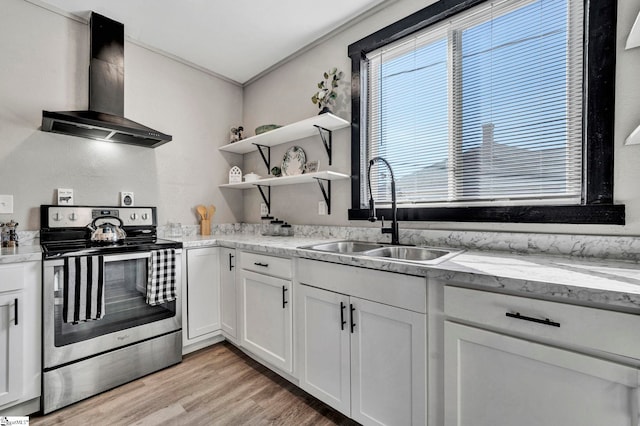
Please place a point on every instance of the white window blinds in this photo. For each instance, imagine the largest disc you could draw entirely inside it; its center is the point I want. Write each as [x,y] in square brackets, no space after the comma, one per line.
[482,109]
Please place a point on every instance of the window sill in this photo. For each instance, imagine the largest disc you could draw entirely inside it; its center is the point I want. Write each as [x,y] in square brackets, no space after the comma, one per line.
[593,214]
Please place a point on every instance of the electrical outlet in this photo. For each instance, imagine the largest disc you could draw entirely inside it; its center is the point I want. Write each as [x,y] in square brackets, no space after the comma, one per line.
[322,208]
[6,204]
[263,209]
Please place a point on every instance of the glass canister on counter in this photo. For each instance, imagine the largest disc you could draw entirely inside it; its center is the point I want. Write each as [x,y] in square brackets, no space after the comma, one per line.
[265,225]
[286,230]
[276,227]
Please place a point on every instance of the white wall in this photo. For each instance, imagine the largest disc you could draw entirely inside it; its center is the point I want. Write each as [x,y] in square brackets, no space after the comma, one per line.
[44,65]
[283,96]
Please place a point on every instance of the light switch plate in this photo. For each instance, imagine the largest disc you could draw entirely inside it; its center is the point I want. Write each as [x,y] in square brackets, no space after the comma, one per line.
[6,204]
[263,209]
[322,208]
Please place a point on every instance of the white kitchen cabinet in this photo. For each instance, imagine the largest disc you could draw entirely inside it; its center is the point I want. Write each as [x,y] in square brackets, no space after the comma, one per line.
[364,358]
[266,312]
[267,318]
[203,292]
[228,293]
[11,342]
[388,364]
[324,339]
[515,360]
[20,337]
[496,380]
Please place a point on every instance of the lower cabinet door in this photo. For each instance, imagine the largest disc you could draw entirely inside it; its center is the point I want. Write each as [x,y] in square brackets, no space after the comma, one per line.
[203,291]
[388,364]
[266,321]
[228,293]
[11,347]
[497,380]
[323,346]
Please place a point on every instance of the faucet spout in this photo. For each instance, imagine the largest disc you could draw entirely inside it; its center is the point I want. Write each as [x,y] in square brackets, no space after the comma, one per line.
[393,229]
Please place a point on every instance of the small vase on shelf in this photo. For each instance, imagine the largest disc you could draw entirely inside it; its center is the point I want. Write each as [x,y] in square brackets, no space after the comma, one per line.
[327,93]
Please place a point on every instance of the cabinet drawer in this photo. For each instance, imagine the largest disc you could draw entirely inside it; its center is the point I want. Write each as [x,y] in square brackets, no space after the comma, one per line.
[599,329]
[12,277]
[270,265]
[402,291]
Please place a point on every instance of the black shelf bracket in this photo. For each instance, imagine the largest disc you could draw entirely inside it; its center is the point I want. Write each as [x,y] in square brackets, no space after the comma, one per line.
[326,193]
[327,137]
[267,158]
[266,197]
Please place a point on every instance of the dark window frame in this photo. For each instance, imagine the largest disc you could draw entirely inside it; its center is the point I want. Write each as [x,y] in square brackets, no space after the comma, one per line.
[597,206]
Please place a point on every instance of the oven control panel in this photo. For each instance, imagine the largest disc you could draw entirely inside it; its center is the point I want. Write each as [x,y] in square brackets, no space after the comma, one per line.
[80,216]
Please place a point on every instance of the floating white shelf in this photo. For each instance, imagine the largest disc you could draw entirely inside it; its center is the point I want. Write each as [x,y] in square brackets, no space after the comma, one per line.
[291,132]
[322,125]
[287,180]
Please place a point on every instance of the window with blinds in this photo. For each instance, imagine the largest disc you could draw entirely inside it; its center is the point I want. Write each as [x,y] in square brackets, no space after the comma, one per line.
[483,109]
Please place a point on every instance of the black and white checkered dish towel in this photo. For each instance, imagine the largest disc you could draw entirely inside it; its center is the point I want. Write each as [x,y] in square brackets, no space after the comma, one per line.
[83,298]
[161,285]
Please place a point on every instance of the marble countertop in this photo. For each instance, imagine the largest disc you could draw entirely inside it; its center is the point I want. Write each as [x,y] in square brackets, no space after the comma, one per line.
[20,254]
[591,281]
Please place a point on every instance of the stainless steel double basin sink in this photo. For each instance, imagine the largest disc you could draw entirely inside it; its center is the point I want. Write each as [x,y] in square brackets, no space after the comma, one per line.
[424,255]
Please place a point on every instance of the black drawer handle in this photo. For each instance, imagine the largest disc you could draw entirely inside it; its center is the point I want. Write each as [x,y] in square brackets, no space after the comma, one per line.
[284,298]
[353,324]
[15,308]
[264,265]
[545,321]
[342,320]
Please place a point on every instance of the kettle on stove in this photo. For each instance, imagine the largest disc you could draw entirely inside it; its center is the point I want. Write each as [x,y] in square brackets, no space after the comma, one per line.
[107,232]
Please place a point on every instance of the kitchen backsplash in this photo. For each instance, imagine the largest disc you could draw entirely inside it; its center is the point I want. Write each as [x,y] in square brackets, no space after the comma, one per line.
[586,246]
[595,246]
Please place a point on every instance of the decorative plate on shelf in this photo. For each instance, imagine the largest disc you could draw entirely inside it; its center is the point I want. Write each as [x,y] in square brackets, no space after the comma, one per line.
[266,127]
[293,161]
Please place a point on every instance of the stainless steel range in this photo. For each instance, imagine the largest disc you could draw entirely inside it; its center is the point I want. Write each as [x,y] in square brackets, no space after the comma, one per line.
[111,310]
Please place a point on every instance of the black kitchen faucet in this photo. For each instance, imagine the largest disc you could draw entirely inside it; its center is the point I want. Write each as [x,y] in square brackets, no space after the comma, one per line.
[393,229]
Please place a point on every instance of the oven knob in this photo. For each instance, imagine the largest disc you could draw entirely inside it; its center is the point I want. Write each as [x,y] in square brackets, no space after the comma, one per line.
[133,216]
[73,216]
[57,217]
[145,216]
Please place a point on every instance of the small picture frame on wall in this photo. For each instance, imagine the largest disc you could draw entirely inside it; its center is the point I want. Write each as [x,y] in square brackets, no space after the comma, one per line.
[311,166]
[65,197]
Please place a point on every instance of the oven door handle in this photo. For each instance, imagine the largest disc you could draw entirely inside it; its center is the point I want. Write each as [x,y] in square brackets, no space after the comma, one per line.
[126,256]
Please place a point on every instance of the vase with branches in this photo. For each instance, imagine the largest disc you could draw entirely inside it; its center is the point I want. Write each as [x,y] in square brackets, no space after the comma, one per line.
[327,94]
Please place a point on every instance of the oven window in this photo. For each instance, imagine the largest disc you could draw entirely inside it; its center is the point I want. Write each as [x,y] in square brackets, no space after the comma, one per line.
[125,286]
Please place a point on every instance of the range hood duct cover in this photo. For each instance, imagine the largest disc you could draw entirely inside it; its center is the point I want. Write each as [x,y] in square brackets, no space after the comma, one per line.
[105,118]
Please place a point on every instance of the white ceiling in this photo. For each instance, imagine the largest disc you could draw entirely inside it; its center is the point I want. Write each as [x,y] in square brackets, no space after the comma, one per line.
[237,39]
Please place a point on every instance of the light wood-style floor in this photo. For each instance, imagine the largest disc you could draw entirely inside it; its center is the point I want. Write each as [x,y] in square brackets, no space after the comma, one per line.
[218,385]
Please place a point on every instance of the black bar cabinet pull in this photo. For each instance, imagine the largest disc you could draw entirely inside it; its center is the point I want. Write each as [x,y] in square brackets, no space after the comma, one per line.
[545,321]
[230,259]
[353,324]
[265,265]
[284,299]
[15,309]
[342,320]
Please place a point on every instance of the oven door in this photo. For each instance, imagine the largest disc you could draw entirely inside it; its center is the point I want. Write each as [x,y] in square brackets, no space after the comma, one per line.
[127,317]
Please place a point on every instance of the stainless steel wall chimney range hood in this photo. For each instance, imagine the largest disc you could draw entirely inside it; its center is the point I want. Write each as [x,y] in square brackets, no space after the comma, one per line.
[105,118]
